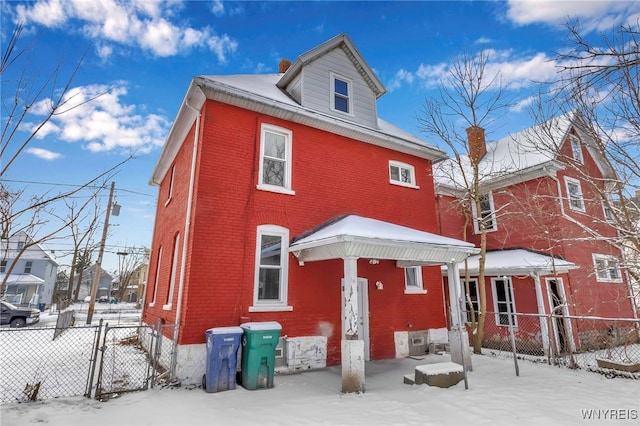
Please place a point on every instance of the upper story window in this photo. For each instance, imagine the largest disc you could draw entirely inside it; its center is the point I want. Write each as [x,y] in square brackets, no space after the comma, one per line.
[413,280]
[275,159]
[503,301]
[157,277]
[576,148]
[341,96]
[271,274]
[20,245]
[486,220]
[3,265]
[171,178]
[607,268]
[402,174]
[27,267]
[574,194]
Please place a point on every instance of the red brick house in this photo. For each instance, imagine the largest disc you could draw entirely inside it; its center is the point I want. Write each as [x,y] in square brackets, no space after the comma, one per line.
[285,198]
[550,243]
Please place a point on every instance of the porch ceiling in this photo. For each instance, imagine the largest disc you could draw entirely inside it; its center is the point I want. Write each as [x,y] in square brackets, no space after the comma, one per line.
[516,262]
[355,236]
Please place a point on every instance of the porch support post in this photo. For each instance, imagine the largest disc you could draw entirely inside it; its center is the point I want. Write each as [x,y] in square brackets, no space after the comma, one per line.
[458,336]
[352,347]
[543,321]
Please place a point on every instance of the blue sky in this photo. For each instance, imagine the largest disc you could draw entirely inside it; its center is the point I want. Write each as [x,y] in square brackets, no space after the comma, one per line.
[143,54]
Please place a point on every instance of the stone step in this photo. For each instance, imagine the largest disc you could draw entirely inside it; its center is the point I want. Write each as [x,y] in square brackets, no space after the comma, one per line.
[442,375]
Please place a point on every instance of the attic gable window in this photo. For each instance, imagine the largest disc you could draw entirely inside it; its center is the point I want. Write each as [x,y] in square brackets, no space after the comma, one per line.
[576,148]
[402,174]
[275,159]
[574,194]
[341,89]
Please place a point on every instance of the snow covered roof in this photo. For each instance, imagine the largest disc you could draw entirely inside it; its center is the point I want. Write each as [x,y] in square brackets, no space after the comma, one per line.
[361,237]
[259,92]
[526,152]
[22,279]
[517,262]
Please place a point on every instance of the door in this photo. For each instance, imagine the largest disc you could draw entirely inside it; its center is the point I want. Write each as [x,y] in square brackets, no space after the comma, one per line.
[561,326]
[363,314]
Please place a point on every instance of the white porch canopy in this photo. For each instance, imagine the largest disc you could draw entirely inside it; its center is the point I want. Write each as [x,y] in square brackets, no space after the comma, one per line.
[352,237]
[517,262]
[361,237]
[22,279]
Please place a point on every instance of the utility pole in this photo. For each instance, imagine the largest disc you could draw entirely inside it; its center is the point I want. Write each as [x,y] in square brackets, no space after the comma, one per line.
[96,277]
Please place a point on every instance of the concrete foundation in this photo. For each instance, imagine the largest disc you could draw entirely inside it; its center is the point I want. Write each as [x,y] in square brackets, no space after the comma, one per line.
[352,366]
[459,347]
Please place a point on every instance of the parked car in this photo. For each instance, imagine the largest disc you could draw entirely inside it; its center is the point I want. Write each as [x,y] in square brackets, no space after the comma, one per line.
[18,317]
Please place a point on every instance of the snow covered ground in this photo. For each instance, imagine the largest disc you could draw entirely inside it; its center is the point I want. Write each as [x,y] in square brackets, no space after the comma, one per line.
[119,313]
[541,395]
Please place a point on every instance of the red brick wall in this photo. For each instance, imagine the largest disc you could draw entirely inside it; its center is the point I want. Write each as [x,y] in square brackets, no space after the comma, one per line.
[332,175]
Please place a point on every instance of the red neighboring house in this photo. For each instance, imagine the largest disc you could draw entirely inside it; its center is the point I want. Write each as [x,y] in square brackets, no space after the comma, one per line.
[549,240]
[285,198]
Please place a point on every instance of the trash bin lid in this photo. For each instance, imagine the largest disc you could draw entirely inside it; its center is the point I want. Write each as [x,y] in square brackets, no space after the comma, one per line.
[225,330]
[266,325]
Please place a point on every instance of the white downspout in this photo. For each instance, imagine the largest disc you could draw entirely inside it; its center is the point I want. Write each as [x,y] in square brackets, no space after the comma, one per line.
[185,240]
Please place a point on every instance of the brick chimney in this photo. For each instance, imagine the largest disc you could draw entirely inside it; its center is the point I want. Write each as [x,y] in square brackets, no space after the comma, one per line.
[283,65]
[477,144]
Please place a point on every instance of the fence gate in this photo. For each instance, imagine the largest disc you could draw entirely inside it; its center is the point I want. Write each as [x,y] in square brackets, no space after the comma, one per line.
[125,365]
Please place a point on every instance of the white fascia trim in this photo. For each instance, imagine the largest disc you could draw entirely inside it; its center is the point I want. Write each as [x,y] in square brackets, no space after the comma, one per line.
[297,114]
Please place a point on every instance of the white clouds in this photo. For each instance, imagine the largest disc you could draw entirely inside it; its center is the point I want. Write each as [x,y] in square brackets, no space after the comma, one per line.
[142,24]
[217,7]
[44,154]
[402,76]
[95,116]
[593,15]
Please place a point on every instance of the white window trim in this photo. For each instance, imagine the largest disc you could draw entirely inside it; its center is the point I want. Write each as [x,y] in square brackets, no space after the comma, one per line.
[332,79]
[419,288]
[472,282]
[170,195]
[568,181]
[495,302]
[288,134]
[576,148]
[606,258]
[607,217]
[401,165]
[174,270]
[155,285]
[476,227]
[281,303]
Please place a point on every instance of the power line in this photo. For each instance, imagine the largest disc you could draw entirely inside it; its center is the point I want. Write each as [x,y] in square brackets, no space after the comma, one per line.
[76,186]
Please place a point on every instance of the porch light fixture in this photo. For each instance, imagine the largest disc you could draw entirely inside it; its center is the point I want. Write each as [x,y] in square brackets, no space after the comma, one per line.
[379,285]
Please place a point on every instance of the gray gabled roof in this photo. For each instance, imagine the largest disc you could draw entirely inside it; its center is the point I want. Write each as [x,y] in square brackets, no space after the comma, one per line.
[344,42]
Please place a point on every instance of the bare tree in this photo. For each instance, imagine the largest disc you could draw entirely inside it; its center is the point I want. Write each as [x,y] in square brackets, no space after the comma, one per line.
[472,100]
[130,260]
[601,83]
[23,89]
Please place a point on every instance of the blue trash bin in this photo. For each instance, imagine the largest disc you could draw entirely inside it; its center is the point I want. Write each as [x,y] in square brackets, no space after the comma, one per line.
[222,358]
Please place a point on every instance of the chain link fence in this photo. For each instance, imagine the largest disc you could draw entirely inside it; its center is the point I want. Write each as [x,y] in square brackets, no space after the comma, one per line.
[99,359]
[610,346]
[35,366]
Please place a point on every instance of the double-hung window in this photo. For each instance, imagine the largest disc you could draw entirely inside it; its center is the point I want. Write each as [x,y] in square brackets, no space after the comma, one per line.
[174,272]
[3,265]
[486,220]
[275,159]
[576,148]
[271,274]
[607,268]
[27,267]
[471,300]
[413,280]
[341,88]
[171,180]
[574,194]
[402,174]
[503,301]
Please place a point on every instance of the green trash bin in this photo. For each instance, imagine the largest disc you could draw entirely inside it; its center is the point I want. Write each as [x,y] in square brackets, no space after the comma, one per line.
[259,353]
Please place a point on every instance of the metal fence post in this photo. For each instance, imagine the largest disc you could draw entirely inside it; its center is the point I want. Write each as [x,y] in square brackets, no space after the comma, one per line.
[96,345]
